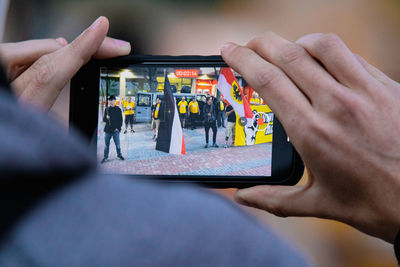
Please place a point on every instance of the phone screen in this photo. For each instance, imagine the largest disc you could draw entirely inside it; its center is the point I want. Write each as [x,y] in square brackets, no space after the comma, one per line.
[177,120]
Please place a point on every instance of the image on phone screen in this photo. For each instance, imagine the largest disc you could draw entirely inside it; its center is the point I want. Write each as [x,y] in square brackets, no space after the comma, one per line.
[174,120]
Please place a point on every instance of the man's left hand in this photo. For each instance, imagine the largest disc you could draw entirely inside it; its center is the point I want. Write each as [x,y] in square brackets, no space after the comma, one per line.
[39,69]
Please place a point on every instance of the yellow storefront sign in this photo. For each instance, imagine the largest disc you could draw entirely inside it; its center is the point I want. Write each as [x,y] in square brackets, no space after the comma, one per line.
[256,131]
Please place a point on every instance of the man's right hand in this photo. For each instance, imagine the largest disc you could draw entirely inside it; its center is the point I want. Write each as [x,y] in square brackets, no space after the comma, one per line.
[108,117]
[342,115]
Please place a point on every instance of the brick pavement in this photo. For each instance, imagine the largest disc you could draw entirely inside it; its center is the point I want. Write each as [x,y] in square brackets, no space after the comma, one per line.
[141,157]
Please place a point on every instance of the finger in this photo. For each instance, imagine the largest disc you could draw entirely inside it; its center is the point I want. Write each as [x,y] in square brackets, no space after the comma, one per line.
[376,73]
[293,59]
[21,54]
[282,201]
[337,58]
[47,76]
[112,48]
[283,97]
[29,51]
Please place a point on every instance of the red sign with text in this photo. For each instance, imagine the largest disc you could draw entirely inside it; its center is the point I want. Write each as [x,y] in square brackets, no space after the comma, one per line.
[187,73]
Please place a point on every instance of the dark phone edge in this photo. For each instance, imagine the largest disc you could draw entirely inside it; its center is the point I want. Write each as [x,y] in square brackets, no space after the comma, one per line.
[290,177]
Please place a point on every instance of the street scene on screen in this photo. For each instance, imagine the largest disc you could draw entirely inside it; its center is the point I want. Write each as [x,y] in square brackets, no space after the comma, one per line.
[182,121]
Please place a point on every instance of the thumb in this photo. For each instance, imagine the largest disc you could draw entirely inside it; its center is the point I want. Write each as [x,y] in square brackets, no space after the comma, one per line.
[44,80]
[282,201]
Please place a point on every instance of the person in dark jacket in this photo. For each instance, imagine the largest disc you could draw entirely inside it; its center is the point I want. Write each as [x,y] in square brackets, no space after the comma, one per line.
[210,120]
[221,112]
[113,119]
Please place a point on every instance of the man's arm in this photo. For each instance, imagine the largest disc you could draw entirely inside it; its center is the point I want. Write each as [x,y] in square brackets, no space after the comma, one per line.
[120,119]
[341,114]
[105,115]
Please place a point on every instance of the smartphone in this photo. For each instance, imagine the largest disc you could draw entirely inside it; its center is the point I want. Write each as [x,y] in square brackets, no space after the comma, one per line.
[148,117]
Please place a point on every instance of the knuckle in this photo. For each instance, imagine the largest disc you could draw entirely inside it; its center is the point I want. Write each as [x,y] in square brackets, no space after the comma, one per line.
[43,71]
[291,53]
[317,128]
[329,41]
[266,78]
[345,103]
[349,108]
[260,39]
[233,54]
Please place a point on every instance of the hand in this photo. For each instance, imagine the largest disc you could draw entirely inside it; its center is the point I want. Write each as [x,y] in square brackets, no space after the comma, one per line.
[342,116]
[116,130]
[39,69]
[108,117]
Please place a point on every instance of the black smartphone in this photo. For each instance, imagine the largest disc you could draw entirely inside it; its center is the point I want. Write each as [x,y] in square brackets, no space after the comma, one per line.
[149,117]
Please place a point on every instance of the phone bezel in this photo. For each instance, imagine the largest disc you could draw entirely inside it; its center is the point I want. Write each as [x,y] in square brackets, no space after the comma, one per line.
[286,165]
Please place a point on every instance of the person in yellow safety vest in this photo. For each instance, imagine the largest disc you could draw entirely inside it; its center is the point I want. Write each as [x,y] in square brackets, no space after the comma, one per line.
[221,112]
[182,111]
[155,123]
[194,112]
[128,107]
[255,100]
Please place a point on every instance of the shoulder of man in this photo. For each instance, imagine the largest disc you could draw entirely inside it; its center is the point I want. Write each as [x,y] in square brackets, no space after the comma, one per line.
[123,218]
[38,155]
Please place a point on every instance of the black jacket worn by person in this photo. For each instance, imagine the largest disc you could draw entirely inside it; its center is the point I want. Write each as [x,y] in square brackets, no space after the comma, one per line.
[209,109]
[115,121]
[58,209]
[231,116]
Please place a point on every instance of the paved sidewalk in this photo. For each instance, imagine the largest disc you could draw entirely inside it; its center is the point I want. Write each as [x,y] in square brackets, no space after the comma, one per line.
[141,157]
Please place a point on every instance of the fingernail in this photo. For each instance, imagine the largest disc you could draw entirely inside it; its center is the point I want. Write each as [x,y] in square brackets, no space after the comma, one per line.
[228,46]
[62,41]
[124,48]
[96,22]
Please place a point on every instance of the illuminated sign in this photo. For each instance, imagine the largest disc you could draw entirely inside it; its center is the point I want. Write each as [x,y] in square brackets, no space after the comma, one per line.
[188,73]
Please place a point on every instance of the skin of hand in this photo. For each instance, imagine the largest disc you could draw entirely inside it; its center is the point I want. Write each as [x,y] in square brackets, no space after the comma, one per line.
[342,116]
[39,69]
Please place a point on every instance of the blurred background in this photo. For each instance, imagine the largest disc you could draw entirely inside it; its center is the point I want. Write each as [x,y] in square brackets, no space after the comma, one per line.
[176,27]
